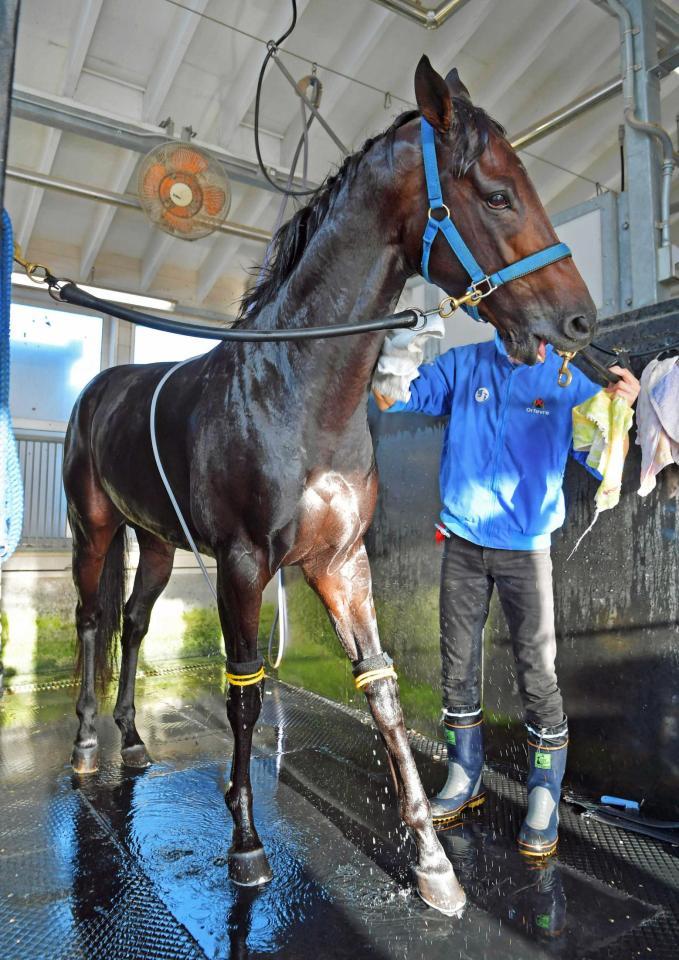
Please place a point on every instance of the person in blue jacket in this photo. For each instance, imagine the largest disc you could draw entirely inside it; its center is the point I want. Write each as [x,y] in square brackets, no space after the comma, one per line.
[505,449]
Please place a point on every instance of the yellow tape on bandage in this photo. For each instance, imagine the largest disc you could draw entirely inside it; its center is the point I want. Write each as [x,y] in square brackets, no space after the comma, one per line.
[363,679]
[245,679]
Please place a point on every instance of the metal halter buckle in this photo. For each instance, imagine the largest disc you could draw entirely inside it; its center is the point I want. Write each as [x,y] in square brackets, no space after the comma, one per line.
[474,295]
[565,375]
[490,286]
[446,213]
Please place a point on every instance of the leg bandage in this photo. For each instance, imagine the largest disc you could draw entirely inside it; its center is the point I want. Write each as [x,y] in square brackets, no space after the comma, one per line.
[373,668]
[245,674]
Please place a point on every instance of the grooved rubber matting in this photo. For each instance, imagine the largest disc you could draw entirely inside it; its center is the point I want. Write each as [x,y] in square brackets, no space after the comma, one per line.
[128,865]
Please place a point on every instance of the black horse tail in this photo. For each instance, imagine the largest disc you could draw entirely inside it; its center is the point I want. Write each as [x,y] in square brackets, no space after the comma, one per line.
[111,594]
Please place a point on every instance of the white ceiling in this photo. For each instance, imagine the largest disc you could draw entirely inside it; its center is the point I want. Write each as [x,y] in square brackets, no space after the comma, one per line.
[144,61]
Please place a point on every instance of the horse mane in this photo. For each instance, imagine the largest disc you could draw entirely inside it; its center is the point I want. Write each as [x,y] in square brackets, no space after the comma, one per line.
[469,136]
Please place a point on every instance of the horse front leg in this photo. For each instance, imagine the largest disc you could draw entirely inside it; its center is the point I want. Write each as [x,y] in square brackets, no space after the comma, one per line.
[346,591]
[240,581]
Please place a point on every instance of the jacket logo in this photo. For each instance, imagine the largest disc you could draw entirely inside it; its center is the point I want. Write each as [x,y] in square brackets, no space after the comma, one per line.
[481,395]
[538,406]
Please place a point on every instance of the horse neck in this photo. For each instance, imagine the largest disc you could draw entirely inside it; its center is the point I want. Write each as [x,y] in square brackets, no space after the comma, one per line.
[352,270]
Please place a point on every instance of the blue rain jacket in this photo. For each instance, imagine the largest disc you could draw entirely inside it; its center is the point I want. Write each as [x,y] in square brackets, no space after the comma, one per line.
[505,445]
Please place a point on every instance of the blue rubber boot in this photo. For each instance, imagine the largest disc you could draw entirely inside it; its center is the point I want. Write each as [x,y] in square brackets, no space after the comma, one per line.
[547,750]
[464,787]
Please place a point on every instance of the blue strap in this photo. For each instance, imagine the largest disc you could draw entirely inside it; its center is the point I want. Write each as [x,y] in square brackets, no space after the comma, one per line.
[535,261]
[445,225]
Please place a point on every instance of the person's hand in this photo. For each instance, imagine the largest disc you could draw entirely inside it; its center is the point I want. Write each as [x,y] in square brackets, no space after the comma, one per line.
[383,402]
[627,387]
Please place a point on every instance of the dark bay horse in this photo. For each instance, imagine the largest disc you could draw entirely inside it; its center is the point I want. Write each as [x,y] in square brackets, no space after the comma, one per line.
[267,446]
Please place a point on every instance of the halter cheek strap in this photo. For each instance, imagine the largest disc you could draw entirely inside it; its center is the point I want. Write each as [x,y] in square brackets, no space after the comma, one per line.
[481,284]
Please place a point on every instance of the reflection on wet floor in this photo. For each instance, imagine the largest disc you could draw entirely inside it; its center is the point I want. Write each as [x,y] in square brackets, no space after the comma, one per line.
[133,865]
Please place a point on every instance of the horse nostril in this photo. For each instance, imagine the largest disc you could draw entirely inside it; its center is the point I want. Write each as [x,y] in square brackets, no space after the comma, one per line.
[577,328]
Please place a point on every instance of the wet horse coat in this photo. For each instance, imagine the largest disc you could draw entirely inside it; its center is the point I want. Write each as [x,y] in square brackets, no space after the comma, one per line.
[267,446]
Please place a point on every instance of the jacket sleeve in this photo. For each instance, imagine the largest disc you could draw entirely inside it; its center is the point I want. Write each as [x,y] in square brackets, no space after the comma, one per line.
[432,390]
[581,457]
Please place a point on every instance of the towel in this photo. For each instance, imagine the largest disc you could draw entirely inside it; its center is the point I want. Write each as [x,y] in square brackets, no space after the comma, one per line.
[600,426]
[658,420]
[401,356]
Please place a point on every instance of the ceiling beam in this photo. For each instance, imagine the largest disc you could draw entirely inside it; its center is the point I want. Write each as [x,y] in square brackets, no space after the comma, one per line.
[182,28]
[85,121]
[519,57]
[443,49]
[83,31]
[245,74]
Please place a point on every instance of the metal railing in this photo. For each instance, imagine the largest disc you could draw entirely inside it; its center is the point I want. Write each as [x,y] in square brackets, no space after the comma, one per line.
[41,456]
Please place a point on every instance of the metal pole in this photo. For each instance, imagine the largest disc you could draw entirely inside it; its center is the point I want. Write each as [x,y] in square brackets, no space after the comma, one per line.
[643,161]
[559,118]
[432,18]
[293,83]
[9,21]
[120,200]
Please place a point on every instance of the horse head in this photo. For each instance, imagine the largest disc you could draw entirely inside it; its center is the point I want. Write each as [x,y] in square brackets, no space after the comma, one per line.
[497,211]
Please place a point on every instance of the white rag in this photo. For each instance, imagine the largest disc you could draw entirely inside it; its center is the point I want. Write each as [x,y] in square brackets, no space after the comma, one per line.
[658,420]
[401,356]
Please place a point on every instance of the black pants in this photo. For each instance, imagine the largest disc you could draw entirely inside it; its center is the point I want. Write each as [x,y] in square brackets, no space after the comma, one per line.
[524,583]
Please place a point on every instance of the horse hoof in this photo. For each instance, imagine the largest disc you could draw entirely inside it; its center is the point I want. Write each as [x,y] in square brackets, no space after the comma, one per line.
[249,868]
[85,759]
[441,891]
[136,756]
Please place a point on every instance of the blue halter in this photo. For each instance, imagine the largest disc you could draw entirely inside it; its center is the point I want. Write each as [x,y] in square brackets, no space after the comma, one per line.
[481,284]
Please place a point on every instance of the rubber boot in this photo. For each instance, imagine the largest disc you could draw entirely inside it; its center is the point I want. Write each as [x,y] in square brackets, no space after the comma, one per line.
[464,787]
[547,749]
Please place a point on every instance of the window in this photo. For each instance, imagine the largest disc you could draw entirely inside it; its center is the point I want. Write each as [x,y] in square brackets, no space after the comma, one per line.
[151,346]
[53,354]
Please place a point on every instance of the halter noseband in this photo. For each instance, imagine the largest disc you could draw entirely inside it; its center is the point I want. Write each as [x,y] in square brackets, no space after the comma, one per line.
[481,283]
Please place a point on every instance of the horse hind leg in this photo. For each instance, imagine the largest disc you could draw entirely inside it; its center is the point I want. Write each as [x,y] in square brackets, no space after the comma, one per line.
[153,572]
[346,593]
[99,578]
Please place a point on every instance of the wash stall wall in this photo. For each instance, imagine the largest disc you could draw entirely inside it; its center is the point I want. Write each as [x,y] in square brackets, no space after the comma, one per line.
[617,603]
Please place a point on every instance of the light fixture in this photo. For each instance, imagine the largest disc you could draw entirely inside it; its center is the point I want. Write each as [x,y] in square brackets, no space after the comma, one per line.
[116,296]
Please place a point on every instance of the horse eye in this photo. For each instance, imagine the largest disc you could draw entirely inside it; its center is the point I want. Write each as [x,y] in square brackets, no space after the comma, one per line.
[497,201]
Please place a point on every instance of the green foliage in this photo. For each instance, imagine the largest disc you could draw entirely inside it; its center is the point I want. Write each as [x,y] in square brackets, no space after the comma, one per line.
[202,635]
[54,646]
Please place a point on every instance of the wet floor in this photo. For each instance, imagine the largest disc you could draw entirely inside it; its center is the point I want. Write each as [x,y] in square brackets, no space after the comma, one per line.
[128,866]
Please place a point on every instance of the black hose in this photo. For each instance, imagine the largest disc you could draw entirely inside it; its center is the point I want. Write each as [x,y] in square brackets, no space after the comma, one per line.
[70,293]
[272,49]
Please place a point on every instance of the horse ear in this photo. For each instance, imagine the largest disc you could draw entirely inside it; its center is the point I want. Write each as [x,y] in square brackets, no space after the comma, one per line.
[433,96]
[455,85]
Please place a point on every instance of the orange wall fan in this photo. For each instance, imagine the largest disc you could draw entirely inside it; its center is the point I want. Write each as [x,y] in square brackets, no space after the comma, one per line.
[183,190]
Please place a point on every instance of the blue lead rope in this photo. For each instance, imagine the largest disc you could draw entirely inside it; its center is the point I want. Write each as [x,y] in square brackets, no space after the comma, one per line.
[445,225]
[11,487]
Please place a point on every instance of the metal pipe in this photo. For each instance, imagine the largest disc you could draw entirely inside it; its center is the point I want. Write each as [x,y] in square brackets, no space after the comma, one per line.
[9,22]
[562,116]
[642,126]
[120,200]
[432,18]
[326,126]
[77,118]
